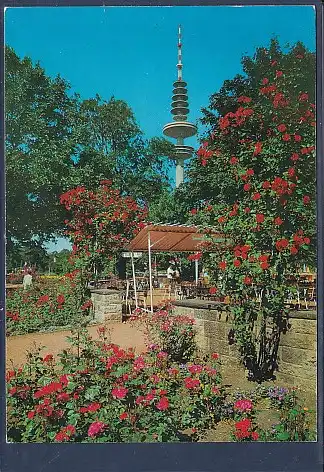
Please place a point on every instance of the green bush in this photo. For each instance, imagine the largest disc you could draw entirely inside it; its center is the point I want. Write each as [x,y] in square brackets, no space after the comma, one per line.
[47,305]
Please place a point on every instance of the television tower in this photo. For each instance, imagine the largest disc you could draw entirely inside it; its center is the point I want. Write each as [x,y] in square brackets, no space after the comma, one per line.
[180,128]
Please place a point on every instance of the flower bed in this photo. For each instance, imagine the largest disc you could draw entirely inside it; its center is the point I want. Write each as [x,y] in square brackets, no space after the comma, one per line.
[47,305]
[102,393]
[98,392]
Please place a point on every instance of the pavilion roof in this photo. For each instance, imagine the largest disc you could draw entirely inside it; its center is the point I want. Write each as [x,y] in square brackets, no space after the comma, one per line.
[171,238]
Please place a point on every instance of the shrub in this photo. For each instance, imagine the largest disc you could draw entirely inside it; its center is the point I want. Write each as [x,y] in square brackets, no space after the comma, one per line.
[174,334]
[98,392]
[47,305]
[292,417]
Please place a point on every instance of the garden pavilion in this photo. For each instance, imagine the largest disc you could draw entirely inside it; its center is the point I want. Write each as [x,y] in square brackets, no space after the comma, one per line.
[156,238]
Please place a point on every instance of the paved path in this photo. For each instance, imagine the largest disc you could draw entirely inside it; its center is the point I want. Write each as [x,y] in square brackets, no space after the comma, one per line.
[123,334]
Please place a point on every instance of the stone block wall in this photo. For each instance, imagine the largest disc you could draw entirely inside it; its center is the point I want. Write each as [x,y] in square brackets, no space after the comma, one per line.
[106,305]
[297,348]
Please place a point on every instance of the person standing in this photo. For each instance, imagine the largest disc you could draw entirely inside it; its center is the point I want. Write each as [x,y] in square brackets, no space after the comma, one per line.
[27,280]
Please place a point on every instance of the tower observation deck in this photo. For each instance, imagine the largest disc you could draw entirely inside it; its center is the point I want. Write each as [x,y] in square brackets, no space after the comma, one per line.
[180,128]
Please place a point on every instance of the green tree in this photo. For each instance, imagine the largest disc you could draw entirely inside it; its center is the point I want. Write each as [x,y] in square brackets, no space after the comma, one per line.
[55,141]
[39,145]
[59,261]
[111,146]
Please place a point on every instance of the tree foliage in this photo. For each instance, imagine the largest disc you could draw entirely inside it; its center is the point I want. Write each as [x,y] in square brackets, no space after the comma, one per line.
[55,141]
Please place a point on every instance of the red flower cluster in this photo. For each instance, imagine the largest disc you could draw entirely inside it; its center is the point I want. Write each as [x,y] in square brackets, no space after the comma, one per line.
[42,299]
[95,428]
[244,99]
[90,408]
[191,383]
[243,405]
[257,148]
[119,392]
[243,430]
[65,433]
[235,119]
[60,299]
[282,244]
[280,186]
[242,251]
[48,389]
[86,305]
[162,404]
[204,153]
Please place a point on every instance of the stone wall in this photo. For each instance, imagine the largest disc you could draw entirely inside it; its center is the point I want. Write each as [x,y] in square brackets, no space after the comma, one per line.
[297,348]
[106,305]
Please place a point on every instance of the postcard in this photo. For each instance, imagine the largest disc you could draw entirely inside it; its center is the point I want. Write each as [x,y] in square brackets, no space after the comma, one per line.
[161,224]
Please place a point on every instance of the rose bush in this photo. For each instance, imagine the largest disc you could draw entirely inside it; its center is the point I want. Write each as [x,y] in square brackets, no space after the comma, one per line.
[173,334]
[99,392]
[260,151]
[101,222]
[47,305]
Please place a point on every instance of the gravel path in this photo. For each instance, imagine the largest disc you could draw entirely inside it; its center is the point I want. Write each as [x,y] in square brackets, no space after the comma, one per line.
[123,334]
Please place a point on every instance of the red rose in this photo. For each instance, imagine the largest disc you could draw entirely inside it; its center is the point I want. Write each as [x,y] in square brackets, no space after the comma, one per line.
[222,265]
[237,263]
[257,148]
[259,218]
[282,244]
[244,99]
[60,299]
[119,393]
[31,415]
[250,172]
[234,160]
[266,184]
[194,211]
[303,97]
[264,265]
[294,157]
[291,171]
[247,280]
[256,196]
[215,355]
[246,187]
[123,416]
[265,81]
[221,219]
[286,137]
[306,199]
[96,428]
[48,358]
[247,210]
[263,258]
[212,290]
[254,435]
[297,138]
[282,128]
[278,221]
[306,240]
[293,250]
[279,73]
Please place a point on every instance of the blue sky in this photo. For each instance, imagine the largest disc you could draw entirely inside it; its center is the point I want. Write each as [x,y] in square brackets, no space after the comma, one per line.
[131,52]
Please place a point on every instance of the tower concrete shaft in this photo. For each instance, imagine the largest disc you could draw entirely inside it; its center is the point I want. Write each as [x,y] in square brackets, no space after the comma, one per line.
[180,128]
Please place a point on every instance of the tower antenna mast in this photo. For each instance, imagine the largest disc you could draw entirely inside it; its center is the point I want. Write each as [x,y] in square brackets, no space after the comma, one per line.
[180,128]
